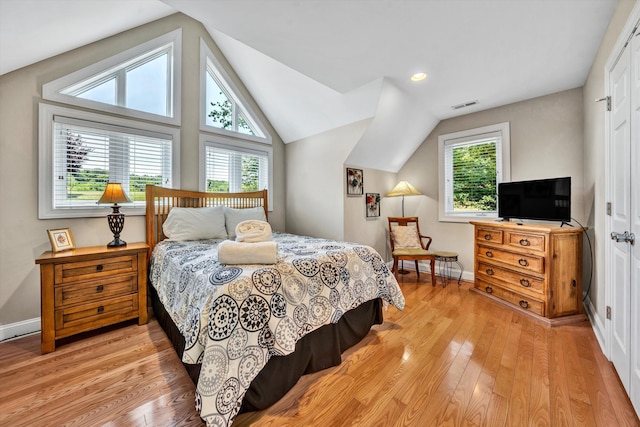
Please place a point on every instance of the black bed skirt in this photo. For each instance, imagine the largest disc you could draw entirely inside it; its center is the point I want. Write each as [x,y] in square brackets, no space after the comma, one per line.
[314,352]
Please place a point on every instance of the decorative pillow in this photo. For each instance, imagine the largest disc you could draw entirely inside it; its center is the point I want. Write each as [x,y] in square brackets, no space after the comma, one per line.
[233,217]
[195,224]
[405,237]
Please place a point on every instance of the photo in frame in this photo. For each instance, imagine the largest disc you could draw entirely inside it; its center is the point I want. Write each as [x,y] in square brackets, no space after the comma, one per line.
[61,239]
[373,204]
[355,182]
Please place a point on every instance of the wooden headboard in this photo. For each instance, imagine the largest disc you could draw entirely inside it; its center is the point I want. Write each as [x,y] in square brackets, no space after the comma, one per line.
[160,200]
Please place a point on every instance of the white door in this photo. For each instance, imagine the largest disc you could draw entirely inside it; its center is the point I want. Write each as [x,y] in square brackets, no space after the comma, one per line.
[624,261]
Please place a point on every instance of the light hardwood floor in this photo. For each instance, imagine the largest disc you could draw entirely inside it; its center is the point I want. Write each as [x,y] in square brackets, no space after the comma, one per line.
[451,358]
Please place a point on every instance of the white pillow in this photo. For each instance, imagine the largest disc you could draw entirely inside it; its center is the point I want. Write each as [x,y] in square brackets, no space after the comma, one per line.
[233,217]
[195,224]
[405,237]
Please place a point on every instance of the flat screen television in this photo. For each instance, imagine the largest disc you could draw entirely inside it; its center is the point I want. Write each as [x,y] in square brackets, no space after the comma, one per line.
[540,199]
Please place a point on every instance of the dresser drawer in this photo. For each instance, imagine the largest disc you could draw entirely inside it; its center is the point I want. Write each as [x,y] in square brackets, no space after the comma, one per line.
[534,242]
[489,235]
[526,262]
[95,290]
[525,302]
[78,318]
[94,269]
[511,279]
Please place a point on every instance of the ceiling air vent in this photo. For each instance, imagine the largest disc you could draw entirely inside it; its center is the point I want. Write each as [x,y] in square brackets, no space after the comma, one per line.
[465,105]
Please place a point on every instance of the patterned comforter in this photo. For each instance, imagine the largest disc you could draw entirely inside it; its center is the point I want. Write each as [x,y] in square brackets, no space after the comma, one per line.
[235,317]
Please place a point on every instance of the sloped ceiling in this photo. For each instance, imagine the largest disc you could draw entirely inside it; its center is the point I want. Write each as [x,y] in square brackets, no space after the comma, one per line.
[315,65]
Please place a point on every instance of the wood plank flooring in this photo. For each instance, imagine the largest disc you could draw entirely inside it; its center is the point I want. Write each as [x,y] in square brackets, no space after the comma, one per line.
[451,358]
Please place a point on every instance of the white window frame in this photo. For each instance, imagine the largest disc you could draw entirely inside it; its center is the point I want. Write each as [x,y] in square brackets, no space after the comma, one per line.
[47,112]
[209,61]
[503,170]
[171,42]
[233,145]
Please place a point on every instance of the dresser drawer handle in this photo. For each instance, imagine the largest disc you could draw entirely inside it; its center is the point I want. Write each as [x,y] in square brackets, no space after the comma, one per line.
[489,254]
[490,272]
[523,262]
[99,267]
[100,288]
[525,242]
[523,304]
[101,309]
[525,283]
[489,289]
[487,237]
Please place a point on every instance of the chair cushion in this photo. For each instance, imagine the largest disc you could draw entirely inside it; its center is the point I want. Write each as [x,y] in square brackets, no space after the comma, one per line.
[412,252]
[405,237]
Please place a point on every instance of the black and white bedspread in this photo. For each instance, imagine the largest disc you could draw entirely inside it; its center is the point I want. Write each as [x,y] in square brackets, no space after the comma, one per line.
[235,317]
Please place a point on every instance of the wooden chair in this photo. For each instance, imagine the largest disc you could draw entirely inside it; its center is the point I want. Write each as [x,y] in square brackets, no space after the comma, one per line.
[407,244]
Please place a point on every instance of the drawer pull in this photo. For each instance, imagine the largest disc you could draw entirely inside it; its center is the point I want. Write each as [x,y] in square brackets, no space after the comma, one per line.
[489,289]
[574,283]
[525,283]
[487,237]
[101,309]
[523,304]
[525,242]
[99,267]
[489,254]
[523,262]
[490,272]
[100,288]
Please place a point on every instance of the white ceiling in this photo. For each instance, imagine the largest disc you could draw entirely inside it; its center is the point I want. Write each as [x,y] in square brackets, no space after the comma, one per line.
[315,65]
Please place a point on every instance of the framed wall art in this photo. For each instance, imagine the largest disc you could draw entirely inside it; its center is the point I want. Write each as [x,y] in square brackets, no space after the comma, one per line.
[373,204]
[355,185]
[61,239]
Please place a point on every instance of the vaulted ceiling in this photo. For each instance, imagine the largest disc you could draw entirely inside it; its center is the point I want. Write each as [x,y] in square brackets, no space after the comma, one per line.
[316,65]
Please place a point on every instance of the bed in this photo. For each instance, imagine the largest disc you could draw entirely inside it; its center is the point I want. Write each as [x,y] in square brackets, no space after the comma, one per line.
[247,333]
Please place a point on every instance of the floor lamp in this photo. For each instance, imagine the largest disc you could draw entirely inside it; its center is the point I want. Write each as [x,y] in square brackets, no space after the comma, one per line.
[403,189]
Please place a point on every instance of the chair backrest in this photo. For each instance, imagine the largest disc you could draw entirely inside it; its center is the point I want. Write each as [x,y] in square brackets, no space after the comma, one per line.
[404,221]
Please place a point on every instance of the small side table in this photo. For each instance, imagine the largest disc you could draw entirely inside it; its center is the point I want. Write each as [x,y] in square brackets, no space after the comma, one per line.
[444,266]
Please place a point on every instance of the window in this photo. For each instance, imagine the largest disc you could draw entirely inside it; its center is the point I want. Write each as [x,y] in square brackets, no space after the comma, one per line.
[471,164]
[141,82]
[80,152]
[232,166]
[224,110]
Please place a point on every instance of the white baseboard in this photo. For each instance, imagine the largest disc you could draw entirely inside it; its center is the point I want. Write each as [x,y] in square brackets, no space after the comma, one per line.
[598,327]
[18,329]
[425,267]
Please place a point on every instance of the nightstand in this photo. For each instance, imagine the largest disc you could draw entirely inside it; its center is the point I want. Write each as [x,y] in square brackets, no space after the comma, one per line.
[88,288]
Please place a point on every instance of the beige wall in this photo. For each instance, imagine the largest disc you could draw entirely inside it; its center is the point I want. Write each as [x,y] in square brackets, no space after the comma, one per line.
[594,154]
[23,236]
[546,142]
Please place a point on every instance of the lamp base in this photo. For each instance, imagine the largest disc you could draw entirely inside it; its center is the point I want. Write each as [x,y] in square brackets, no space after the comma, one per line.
[403,271]
[116,243]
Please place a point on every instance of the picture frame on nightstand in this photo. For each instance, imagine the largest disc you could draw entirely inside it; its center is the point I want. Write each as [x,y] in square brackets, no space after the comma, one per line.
[61,239]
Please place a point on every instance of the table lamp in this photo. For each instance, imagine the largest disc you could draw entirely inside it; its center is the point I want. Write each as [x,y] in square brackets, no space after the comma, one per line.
[115,194]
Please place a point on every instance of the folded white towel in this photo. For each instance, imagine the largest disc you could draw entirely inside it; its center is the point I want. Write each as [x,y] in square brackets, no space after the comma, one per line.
[230,252]
[251,231]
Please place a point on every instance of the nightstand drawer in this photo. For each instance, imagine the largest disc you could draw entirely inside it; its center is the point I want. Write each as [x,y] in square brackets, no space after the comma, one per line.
[512,279]
[101,289]
[94,269]
[527,262]
[93,315]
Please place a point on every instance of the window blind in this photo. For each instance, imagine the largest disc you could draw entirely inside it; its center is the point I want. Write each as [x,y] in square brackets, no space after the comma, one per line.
[88,154]
[235,169]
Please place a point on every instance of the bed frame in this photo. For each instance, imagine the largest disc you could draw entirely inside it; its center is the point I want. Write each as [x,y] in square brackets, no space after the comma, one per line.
[161,200]
[316,351]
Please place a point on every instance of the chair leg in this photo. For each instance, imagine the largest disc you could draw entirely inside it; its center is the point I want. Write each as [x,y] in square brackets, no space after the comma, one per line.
[417,269]
[433,272]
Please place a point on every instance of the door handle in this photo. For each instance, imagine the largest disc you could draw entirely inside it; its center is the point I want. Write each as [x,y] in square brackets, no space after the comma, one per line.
[623,237]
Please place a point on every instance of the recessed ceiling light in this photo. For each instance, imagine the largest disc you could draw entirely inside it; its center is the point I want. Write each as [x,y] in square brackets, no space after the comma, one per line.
[418,77]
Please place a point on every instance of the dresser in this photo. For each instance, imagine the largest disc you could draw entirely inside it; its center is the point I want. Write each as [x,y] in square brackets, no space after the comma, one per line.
[88,288]
[534,269]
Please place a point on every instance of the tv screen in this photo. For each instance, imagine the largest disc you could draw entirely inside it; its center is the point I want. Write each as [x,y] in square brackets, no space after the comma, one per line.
[540,199]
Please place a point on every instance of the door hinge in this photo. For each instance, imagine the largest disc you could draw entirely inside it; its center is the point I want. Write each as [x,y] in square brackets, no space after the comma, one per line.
[609,312]
[605,98]
[609,208]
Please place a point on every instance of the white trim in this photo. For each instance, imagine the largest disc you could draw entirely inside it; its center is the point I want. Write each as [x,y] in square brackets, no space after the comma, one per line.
[599,329]
[207,55]
[51,90]
[505,148]
[46,160]
[608,186]
[19,329]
